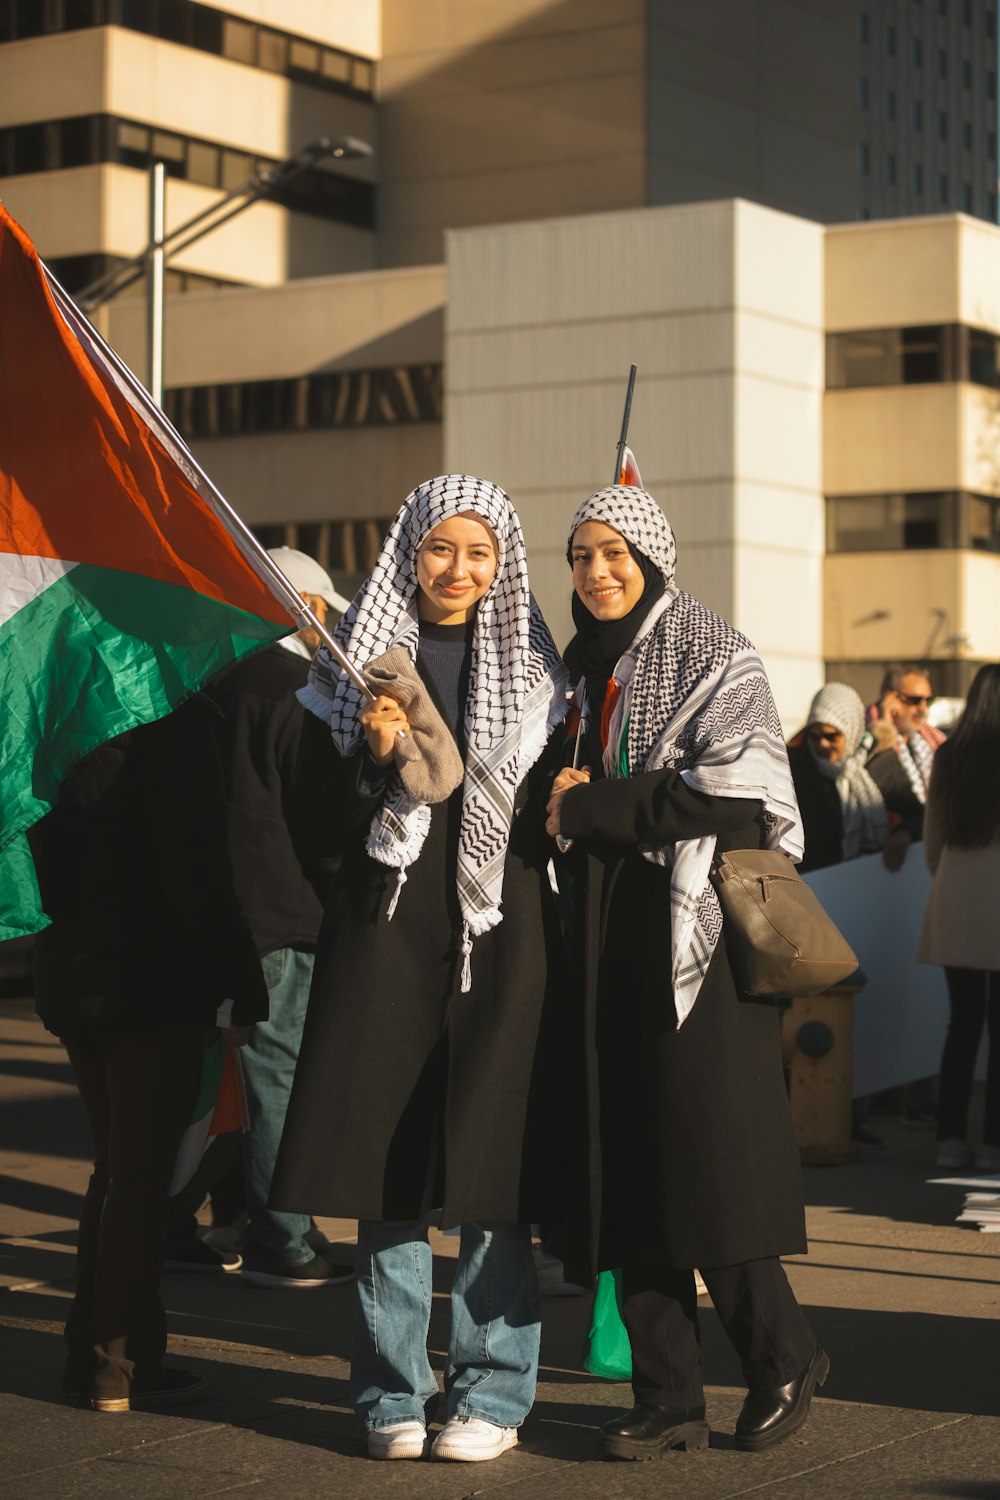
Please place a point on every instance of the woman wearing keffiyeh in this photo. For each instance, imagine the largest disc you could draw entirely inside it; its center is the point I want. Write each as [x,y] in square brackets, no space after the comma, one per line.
[419,1093]
[682,755]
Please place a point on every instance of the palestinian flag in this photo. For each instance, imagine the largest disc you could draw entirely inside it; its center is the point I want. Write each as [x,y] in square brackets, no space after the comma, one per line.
[122,586]
[221,1106]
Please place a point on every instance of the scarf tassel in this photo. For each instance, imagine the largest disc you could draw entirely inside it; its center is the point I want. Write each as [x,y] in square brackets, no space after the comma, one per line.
[466,984]
[401,878]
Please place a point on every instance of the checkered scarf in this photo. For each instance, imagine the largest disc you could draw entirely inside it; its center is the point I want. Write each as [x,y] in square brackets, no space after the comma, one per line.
[865,821]
[694,698]
[917,756]
[517,692]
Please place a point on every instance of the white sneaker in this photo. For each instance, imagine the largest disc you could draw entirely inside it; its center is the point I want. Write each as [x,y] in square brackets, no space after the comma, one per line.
[953,1154]
[471,1440]
[988,1159]
[552,1275]
[401,1440]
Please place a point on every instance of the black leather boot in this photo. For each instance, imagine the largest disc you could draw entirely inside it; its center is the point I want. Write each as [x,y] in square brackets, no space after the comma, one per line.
[770,1416]
[649,1431]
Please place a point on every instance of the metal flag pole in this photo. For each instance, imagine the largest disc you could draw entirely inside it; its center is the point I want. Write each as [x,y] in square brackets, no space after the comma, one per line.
[562,844]
[256,554]
[625,418]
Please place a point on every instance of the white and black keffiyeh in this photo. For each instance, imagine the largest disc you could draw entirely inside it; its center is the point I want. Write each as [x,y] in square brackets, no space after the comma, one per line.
[865,820]
[695,697]
[517,691]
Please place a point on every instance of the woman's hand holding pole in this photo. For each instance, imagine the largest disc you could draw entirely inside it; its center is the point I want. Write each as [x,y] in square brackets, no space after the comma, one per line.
[566,778]
[382,721]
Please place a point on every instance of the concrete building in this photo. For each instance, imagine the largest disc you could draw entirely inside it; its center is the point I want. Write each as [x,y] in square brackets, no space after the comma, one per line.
[559,187]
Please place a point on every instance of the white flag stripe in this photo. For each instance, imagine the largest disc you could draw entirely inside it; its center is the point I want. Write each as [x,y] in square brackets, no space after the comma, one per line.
[22,579]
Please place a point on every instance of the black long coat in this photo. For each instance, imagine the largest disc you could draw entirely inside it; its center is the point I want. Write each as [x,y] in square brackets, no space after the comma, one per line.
[693,1160]
[409,1094]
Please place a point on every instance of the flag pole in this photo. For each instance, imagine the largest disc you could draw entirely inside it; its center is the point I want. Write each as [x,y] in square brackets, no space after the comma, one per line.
[256,554]
[625,418]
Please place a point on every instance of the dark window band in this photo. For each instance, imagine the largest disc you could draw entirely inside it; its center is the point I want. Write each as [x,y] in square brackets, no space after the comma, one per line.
[923,520]
[921,355]
[354,398]
[202,27]
[90,140]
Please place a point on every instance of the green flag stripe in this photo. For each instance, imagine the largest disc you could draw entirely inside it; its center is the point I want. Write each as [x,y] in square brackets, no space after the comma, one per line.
[95,654]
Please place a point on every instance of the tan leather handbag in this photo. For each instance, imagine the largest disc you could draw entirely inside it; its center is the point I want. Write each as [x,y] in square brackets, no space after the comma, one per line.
[779,938]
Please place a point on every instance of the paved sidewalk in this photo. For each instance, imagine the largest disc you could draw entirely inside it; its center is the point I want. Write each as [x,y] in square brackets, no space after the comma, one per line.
[906,1304]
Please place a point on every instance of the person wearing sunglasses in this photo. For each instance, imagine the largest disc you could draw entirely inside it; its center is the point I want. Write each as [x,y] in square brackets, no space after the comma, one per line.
[904,742]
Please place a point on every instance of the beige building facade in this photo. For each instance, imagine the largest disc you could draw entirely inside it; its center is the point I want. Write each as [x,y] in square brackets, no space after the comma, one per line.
[557,188]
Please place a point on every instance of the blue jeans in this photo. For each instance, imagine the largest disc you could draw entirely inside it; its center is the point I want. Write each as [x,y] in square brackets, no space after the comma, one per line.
[495,1326]
[273,1241]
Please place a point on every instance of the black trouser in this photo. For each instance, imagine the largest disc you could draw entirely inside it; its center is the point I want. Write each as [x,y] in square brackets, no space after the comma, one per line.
[138,1091]
[974,996]
[756,1307]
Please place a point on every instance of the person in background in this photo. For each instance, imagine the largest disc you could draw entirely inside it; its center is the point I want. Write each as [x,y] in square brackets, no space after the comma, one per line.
[961,930]
[429,1080]
[282,892]
[681,756]
[147,942]
[903,746]
[843,811]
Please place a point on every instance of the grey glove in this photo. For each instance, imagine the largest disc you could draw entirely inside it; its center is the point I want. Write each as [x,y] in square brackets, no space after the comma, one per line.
[427,758]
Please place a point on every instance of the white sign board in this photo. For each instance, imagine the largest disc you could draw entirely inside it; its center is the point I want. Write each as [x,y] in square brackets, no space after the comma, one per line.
[901,1015]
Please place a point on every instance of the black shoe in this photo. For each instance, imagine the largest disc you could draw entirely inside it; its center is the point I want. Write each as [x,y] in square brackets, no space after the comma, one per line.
[311,1273]
[769,1416]
[648,1431]
[155,1388]
[195,1255]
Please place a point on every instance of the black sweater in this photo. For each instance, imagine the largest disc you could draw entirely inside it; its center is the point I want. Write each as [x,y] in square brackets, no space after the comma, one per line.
[280,887]
[133,867]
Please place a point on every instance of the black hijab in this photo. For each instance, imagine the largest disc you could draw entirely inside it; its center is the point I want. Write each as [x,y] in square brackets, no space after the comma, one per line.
[598,644]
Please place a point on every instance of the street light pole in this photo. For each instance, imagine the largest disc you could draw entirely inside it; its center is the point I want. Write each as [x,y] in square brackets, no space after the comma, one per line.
[154,282]
[108,286]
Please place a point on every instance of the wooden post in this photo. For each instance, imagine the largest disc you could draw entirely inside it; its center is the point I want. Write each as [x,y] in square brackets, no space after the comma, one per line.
[818,1047]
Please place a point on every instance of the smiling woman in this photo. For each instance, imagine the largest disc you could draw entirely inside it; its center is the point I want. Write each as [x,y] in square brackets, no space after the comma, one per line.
[456,564]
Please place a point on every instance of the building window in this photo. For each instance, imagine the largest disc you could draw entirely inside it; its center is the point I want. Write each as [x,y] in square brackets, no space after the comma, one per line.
[942,125]
[917,521]
[382,397]
[863,92]
[864,158]
[965,197]
[942,187]
[942,63]
[347,549]
[890,104]
[871,357]
[862,26]
[916,115]
[916,178]
[966,73]
[966,135]
[88,140]
[889,169]
[980,360]
[893,523]
[889,39]
[202,27]
[916,52]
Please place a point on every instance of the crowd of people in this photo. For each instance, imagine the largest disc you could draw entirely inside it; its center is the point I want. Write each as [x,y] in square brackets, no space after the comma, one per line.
[462,929]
